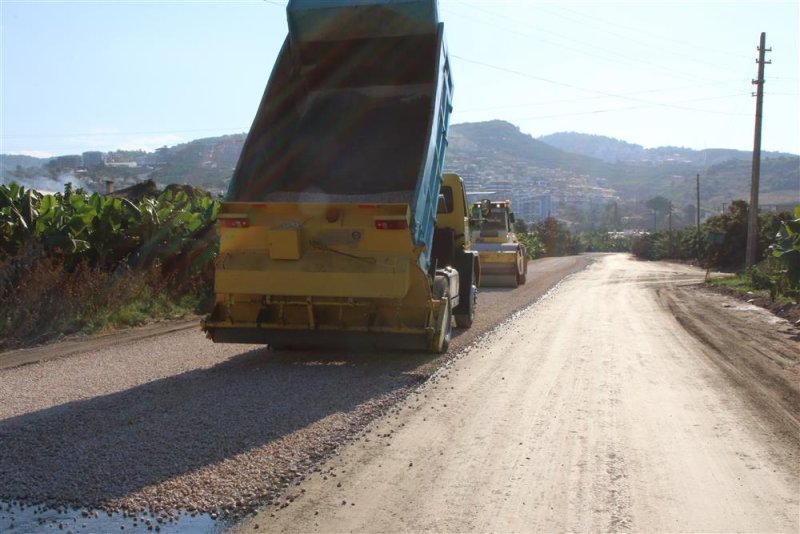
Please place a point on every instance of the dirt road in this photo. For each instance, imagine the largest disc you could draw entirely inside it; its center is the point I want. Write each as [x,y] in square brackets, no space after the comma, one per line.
[165,421]
[623,402]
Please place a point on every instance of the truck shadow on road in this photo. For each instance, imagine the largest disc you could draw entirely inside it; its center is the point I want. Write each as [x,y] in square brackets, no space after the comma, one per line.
[99,449]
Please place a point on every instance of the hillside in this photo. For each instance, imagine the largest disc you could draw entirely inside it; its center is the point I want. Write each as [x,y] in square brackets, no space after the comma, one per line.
[586,168]
[9,162]
[615,150]
[503,140]
[670,171]
[635,173]
[207,163]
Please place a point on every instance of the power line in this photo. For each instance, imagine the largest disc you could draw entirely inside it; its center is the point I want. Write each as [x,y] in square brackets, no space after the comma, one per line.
[599,94]
[627,39]
[587,90]
[119,134]
[629,62]
[692,45]
[586,98]
[609,110]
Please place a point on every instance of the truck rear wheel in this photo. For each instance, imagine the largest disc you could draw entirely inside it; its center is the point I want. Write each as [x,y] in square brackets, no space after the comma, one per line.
[464,320]
[443,333]
[448,327]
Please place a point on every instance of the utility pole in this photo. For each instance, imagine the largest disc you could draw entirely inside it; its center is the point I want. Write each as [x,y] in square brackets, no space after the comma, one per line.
[670,228]
[752,219]
[697,237]
[698,204]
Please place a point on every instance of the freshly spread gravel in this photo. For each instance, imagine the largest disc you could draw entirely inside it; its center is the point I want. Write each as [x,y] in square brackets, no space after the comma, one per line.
[219,428]
[176,422]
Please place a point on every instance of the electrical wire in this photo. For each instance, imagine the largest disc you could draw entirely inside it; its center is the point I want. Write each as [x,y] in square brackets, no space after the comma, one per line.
[594,46]
[585,89]
[693,45]
[583,99]
[643,106]
[628,62]
[119,134]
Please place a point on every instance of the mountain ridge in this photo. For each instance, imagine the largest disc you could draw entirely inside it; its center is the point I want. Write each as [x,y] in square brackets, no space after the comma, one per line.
[611,150]
[496,147]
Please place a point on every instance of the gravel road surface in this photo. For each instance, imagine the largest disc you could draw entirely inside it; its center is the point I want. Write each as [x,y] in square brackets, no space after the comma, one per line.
[624,401]
[174,422]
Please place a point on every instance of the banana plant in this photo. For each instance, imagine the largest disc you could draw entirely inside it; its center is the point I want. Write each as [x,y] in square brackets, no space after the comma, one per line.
[787,249]
[18,213]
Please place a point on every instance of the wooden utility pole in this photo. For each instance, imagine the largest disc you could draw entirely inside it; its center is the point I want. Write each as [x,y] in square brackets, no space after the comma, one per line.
[698,205]
[752,219]
[669,218]
[697,237]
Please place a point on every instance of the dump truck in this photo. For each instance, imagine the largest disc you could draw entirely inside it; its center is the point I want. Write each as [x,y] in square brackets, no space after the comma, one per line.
[504,260]
[337,229]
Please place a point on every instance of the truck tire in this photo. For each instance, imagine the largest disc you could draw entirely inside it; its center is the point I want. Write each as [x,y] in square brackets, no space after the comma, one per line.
[448,327]
[441,338]
[464,320]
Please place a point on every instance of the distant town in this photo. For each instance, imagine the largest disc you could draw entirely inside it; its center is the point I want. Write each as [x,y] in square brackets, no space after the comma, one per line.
[588,182]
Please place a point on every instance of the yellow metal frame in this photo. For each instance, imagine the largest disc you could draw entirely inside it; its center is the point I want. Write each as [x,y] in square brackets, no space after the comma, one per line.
[321,268]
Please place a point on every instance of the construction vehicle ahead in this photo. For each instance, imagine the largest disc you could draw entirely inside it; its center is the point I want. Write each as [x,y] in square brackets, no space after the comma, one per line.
[337,229]
[504,260]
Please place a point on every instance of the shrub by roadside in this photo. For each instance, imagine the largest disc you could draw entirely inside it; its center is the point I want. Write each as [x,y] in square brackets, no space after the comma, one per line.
[75,262]
[42,301]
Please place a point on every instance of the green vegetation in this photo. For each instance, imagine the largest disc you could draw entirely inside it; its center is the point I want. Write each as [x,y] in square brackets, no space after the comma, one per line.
[547,238]
[603,241]
[721,244]
[786,249]
[76,262]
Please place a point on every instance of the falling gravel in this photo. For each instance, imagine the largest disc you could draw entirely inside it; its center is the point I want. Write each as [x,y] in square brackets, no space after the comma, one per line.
[176,422]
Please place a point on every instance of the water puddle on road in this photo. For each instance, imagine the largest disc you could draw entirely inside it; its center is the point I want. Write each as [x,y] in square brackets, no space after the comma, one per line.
[17,518]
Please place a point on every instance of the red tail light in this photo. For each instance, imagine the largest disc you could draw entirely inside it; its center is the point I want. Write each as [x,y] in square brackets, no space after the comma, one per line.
[391,224]
[331,215]
[234,223]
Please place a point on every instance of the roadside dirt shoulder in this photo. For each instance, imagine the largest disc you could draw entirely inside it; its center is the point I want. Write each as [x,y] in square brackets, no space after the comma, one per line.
[788,311]
[758,352]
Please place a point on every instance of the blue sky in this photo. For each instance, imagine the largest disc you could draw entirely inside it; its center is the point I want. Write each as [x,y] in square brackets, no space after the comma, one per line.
[97,75]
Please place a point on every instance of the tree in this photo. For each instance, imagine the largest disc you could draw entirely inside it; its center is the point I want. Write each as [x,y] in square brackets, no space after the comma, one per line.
[612,219]
[659,204]
[556,238]
[733,226]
